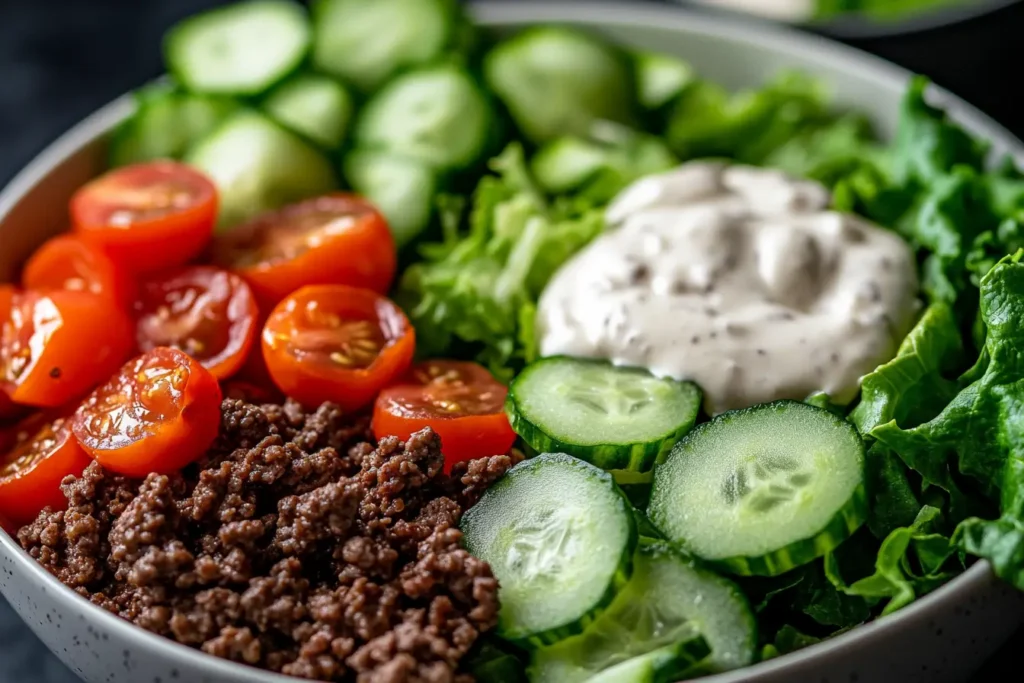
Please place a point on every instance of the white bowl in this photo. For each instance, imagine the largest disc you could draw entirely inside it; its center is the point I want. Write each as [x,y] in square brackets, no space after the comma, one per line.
[855,26]
[942,637]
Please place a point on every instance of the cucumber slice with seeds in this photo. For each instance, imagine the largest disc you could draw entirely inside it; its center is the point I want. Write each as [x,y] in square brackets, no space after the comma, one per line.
[438,115]
[241,49]
[668,601]
[559,536]
[316,107]
[614,417]
[558,81]
[762,490]
[364,42]
[257,165]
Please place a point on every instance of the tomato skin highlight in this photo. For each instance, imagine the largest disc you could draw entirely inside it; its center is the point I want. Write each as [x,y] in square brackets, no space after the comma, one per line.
[55,347]
[158,414]
[69,262]
[334,239]
[147,216]
[206,312]
[336,343]
[461,401]
[43,453]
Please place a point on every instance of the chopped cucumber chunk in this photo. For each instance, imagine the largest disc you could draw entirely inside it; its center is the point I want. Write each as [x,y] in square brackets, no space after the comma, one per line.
[402,188]
[762,490]
[365,42]
[559,536]
[166,123]
[257,165]
[603,165]
[437,114]
[557,81]
[661,78]
[314,106]
[614,417]
[241,49]
[567,163]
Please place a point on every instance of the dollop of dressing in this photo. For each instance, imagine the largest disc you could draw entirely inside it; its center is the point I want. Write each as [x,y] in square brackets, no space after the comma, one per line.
[739,279]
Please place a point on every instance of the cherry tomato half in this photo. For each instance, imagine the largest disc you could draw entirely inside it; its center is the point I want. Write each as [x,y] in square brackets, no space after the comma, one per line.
[336,343]
[69,262]
[208,313]
[43,453]
[159,413]
[147,216]
[460,401]
[334,239]
[55,347]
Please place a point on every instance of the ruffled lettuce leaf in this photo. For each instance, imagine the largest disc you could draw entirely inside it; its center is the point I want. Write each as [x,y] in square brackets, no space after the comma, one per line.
[979,429]
[748,126]
[912,387]
[900,574]
[475,292]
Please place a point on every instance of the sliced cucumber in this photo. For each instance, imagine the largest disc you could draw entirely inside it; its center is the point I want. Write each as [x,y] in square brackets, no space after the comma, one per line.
[166,123]
[257,165]
[762,490]
[614,417]
[567,163]
[559,536]
[403,189]
[660,78]
[313,106]
[669,600]
[436,114]
[663,665]
[622,156]
[241,49]
[365,42]
[557,81]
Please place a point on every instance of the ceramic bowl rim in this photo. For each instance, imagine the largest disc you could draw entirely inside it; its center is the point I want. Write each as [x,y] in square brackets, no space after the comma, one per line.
[595,14]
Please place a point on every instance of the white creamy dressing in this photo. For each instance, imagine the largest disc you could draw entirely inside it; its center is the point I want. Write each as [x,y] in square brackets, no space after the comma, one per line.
[781,10]
[739,279]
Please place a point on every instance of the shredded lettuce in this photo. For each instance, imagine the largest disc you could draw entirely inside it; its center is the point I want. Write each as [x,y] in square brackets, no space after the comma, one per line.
[477,290]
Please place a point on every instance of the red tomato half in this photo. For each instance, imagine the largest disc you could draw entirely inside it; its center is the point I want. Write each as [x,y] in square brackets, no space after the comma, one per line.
[159,413]
[335,239]
[69,262]
[55,347]
[460,401]
[147,216]
[208,313]
[336,343]
[43,453]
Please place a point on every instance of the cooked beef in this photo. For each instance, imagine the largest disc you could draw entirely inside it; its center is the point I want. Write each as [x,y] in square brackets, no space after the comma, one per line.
[296,544]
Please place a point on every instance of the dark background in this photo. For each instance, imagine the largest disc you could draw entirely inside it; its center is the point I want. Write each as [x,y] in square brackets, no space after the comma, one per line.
[61,59]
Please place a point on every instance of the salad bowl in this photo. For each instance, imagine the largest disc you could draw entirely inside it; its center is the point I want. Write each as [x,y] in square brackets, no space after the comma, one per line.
[941,637]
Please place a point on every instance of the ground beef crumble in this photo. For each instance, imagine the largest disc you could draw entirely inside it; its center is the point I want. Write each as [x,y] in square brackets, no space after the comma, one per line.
[296,544]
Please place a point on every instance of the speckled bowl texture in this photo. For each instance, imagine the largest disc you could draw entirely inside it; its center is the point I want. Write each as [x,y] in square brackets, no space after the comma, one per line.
[940,638]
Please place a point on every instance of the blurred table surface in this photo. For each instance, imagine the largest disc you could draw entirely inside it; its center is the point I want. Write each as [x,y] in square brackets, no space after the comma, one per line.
[61,59]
